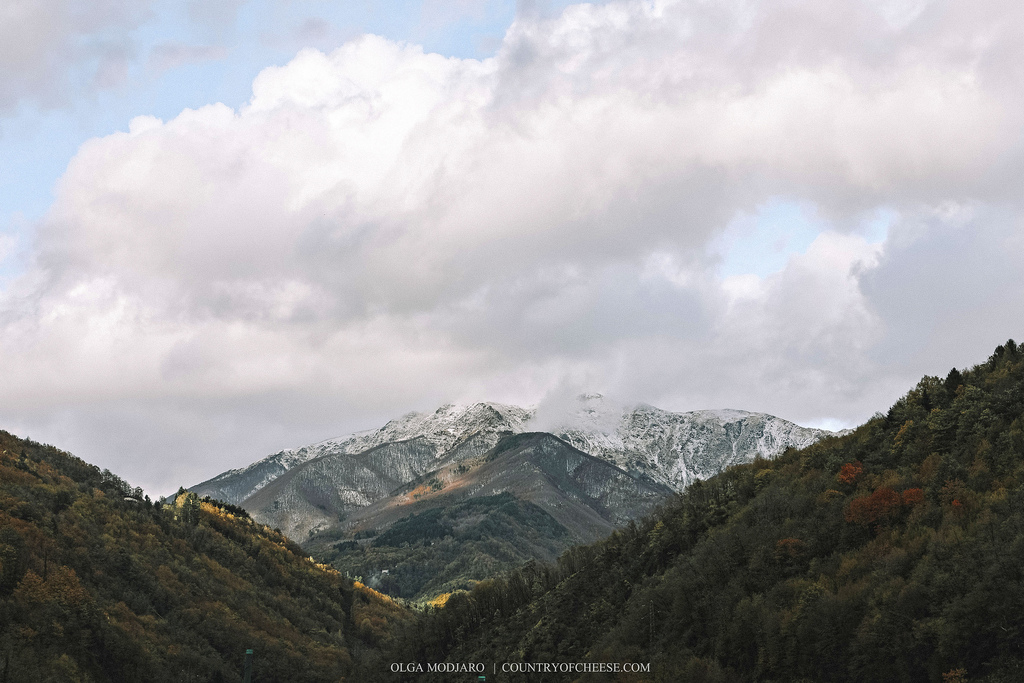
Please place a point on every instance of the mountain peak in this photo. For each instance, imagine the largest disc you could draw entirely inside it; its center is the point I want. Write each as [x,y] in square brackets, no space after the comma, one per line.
[668,448]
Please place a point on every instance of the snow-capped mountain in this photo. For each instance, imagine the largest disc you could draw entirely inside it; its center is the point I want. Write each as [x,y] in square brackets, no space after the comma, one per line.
[677,449]
[577,468]
[669,448]
[448,430]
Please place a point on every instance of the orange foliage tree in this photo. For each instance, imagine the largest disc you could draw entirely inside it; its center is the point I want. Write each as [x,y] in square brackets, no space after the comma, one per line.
[912,497]
[850,472]
[880,506]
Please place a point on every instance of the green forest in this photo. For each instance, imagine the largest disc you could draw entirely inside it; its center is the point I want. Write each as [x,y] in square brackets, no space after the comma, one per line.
[895,553]
[98,583]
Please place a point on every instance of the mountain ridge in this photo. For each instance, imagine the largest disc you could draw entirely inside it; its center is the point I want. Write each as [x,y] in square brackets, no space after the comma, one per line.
[236,485]
[676,456]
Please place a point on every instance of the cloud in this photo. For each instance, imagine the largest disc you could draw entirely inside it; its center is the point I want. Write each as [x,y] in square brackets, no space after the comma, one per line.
[172,55]
[380,229]
[218,14]
[565,408]
[441,12]
[50,48]
[313,29]
[957,268]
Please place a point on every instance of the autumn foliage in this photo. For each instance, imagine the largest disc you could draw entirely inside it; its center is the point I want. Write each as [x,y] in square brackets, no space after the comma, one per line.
[881,506]
[98,584]
[912,497]
[850,472]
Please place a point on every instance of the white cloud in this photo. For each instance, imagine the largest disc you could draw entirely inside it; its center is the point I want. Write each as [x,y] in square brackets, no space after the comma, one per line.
[380,228]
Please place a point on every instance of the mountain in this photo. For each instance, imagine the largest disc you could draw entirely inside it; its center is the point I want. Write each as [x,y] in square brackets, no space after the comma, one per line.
[677,449]
[453,431]
[530,497]
[892,553]
[586,495]
[310,489]
[482,492]
[99,584]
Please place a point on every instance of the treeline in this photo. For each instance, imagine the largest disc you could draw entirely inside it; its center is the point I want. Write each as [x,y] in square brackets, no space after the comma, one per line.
[97,583]
[895,553]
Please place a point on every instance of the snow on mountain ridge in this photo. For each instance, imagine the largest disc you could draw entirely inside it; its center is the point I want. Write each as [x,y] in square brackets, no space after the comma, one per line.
[678,448]
[443,429]
[670,448]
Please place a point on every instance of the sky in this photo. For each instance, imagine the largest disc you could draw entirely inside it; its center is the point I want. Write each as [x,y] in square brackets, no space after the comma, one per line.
[229,227]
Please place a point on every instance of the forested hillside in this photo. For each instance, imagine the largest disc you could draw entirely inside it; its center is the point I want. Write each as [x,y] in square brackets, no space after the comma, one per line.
[895,553]
[99,584]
